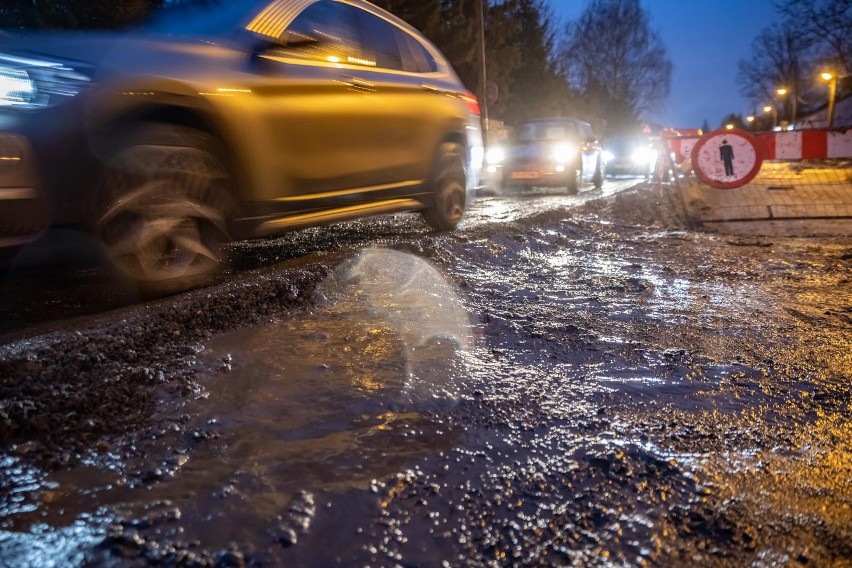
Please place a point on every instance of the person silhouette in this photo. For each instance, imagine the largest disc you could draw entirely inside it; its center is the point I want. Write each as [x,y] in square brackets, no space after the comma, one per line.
[726,154]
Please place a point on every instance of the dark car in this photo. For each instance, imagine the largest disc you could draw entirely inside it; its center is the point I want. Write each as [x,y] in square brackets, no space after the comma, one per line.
[630,156]
[553,152]
[228,121]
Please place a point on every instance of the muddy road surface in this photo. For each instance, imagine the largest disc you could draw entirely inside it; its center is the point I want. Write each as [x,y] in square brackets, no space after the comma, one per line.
[564,381]
[63,278]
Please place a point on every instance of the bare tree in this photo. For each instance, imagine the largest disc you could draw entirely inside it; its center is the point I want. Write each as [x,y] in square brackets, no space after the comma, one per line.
[617,61]
[827,24]
[535,86]
[781,57]
[519,51]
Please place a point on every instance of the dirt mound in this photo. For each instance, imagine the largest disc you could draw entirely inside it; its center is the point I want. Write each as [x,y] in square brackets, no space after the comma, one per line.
[647,205]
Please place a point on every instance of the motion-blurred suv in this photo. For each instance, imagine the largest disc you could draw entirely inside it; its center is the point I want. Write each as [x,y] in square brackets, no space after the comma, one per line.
[225,121]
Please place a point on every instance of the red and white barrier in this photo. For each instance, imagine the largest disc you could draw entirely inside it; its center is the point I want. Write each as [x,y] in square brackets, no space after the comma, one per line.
[806,144]
[682,147]
[788,145]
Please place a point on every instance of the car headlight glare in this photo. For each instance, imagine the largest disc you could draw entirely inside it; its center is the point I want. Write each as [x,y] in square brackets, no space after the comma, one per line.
[30,83]
[476,153]
[495,156]
[16,87]
[644,156]
[563,153]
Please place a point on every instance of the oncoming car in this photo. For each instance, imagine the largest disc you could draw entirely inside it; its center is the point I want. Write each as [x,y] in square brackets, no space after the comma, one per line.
[630,155]
[224,121]
[553,152]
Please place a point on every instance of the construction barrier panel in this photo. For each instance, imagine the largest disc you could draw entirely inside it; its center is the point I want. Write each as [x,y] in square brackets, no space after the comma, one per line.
[803,187]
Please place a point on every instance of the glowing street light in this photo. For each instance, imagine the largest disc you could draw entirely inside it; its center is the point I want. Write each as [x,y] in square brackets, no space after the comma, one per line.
[781,91]
[770,108]
[832,92]
[729,126]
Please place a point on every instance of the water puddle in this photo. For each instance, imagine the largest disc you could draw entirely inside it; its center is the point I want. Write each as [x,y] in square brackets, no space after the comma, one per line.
[317,404]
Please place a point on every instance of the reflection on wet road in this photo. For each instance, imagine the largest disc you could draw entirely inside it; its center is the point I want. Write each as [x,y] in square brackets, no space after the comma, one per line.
[326,402]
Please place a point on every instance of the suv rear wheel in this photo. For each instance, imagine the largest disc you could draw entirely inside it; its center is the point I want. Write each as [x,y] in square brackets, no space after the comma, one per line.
[166,203]
[448,204]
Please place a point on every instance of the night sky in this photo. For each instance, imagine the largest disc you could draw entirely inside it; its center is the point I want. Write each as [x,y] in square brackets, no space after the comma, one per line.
[704,39]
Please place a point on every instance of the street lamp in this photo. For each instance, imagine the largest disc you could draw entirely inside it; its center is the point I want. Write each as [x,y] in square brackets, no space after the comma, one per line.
[770,108]
[832,92]
[481,7]
[782,92]
[750,119]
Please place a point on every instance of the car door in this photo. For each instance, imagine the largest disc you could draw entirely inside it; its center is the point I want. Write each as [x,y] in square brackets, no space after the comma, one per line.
[413,107]
[317,110]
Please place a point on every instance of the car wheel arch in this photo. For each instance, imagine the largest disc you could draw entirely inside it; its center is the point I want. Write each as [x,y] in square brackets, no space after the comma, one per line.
[106,131]
[454,137]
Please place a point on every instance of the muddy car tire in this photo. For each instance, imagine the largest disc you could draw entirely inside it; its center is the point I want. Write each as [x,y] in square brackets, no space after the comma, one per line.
[446,208]
[165,205]
[572,183]
[598,177]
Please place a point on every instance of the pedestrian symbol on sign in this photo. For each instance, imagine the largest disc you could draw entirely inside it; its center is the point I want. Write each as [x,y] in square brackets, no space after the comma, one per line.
[726,154]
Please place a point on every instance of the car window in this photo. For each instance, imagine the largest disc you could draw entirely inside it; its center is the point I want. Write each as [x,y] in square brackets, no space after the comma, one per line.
[379,41]
[528,133]
[325,31]
[586,131]
[555,132]
[547,131]
[415,57]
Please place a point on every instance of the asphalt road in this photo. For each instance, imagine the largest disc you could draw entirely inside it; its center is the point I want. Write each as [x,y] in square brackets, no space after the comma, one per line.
[564,381]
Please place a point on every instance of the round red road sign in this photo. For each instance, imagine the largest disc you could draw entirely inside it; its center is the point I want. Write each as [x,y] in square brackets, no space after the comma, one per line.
[726,159]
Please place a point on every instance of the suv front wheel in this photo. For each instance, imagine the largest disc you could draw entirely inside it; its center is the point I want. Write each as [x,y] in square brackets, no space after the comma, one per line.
[598,177]
[166,201]
[572,181]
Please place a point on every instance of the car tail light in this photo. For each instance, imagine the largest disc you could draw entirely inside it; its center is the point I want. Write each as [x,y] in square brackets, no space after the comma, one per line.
[471,102]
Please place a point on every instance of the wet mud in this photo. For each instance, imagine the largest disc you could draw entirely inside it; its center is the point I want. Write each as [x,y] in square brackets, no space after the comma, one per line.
[581,384]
